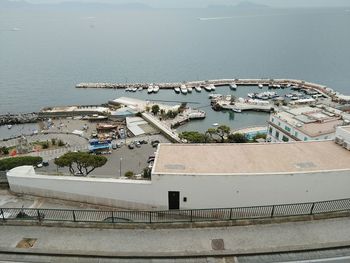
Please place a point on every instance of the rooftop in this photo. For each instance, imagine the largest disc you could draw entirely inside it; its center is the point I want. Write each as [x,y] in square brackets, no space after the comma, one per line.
[214,159]
[311,121]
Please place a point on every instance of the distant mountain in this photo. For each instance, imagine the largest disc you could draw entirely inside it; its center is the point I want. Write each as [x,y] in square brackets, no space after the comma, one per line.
[241,5]
[71,5]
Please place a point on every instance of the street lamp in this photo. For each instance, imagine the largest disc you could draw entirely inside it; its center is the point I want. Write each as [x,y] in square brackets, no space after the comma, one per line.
[120,166]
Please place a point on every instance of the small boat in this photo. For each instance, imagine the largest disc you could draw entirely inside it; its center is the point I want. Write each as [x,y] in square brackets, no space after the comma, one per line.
[215,124]
[214,95]
[198,88]
[189,89]
[251,95]
[127,89]
[212,87]
[156,89]
[237,110]
[177,90]
[9,126]
[183,89]
[134,89]
[260,86]
[140,88]
[233,86]
[207,88]
[150,89]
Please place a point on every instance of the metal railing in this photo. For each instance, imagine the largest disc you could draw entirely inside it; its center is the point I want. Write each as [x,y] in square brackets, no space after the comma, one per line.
[176,216]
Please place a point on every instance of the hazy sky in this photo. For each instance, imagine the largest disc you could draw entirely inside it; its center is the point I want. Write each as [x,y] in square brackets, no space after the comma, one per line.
[203,3]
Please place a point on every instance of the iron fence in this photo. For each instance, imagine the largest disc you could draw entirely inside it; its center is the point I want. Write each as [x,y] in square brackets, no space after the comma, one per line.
[172,216]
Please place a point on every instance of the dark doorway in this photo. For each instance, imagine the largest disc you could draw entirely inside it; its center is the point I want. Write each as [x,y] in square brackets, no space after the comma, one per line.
[174,199]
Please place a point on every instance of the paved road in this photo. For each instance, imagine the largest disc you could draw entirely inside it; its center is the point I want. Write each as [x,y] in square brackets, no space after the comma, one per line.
[175,242]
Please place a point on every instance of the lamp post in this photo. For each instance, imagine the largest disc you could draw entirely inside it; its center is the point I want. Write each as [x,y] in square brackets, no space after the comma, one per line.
[120,166]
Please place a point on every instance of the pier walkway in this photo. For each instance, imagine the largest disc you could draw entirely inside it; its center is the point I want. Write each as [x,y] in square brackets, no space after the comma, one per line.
[171,135]
[165,243]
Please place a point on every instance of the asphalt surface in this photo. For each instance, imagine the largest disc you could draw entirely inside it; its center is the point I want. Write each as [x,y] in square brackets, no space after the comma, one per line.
[172,243]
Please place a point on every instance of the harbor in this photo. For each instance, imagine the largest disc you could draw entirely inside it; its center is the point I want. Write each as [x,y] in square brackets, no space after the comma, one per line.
[210,85]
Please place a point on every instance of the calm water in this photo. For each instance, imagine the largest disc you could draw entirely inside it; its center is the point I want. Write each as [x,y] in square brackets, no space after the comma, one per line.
[41,63]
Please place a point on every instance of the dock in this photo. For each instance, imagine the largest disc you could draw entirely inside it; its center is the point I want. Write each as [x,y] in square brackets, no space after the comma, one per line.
[324,90]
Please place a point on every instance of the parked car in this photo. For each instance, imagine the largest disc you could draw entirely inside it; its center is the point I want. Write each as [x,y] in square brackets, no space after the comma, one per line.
[138,145]
[131,146]
[45,163]
[155,143]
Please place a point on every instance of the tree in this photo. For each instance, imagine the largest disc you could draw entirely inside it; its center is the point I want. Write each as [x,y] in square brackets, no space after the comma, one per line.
[223,131]
[147,108]
[9,163]
[80,162]
[60,143]
[147,173]
[155,109]
[53,141]
[171,114]
[182,107]
[194,137]
[4,150]
[210,133]
[237,138]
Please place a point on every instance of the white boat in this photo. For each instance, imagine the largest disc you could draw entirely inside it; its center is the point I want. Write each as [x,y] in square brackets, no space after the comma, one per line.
[127,89]
[215,124]
[177,90]
[9,126]
[233,86]
[198,88]
[189,89]
[140,88]
[251,95]
[134,89]
[197,115]
[214,95]
[236,110]
[212,87]
[150,89]
[183,89]
[156,89]
[207,88]
[260,86]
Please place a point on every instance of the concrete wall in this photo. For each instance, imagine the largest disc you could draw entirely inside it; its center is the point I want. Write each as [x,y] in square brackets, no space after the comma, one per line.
[202,191]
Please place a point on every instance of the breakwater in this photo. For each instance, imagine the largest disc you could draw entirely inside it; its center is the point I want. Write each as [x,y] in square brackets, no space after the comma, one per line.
[326,91]
[19,118]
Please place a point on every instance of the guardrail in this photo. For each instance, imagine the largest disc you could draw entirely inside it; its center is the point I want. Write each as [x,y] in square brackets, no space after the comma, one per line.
[175,216]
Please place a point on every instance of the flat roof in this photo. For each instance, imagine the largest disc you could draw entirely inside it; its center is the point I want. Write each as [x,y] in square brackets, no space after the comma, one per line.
[268,158]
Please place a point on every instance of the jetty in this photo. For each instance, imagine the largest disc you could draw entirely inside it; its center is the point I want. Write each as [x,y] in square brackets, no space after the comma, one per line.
[19,118]
[263,82]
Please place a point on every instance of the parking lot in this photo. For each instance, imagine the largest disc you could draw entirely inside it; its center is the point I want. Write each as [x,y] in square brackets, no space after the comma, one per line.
[120,160]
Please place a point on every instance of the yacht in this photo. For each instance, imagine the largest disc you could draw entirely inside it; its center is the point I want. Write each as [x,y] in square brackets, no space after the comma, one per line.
[198,88]
[150,89]
[189,89]
[260,86]
[212,87]
[177,90]
[9,126]
[140,88]
[134,89]
[183,89]
[237,110]
[156,89]
[233,86]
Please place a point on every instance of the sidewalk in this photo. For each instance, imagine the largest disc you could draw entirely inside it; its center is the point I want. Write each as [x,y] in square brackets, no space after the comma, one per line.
[179,242]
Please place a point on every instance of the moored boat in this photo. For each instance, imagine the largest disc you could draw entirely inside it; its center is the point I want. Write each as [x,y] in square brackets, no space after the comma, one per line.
[233,86]
[189,89]
[155,89]
[177,90]
[150,89]
[198,88]
[183,89]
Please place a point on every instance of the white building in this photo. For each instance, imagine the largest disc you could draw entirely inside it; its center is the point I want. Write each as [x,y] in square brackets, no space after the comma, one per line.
[304,124]
[211,176]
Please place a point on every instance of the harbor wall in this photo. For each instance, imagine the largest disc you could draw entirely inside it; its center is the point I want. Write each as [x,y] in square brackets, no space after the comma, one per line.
[201,191]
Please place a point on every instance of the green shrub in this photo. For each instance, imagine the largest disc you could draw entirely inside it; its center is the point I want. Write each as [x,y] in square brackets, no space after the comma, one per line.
[9,163]
[147,173]
[45,145]
[129,174]
[60,143]
[53,141]
[4,150]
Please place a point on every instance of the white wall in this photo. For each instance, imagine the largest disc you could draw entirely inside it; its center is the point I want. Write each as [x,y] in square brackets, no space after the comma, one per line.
[202,191]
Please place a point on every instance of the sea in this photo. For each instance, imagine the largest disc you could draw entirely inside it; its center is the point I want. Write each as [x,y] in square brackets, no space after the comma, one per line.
[45,53]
